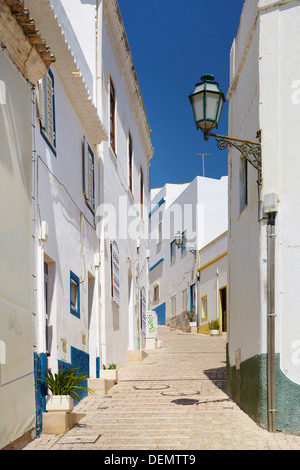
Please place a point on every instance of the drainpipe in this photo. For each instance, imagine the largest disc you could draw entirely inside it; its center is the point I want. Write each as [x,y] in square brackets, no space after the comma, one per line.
[271,323]
[101,269]
[271,209]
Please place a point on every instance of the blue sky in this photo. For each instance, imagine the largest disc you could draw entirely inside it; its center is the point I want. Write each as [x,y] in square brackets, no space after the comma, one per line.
[173,43]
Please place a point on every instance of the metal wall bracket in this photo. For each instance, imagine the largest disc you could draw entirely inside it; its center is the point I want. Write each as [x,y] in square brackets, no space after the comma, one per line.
[249,150]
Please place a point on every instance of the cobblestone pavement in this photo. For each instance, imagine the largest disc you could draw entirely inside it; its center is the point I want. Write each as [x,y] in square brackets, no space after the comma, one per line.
[173,400]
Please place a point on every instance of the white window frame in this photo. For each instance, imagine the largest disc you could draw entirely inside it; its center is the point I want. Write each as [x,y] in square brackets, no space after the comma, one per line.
[156,293]
[173,305]
[204,307]
[184,298]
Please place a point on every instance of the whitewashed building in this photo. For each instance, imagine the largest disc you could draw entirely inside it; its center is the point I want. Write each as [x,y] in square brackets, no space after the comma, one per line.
[263,237]
[213,284]
[94,198]
[22,63]
[65,197]
[199,211]
[122,215]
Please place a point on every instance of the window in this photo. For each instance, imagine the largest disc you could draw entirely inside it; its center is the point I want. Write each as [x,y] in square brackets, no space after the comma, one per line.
[159,233]
[142,192]
[89,176]
[143,309]
[173,305]
[243,183]
[204,307]
[130,156]
[184,242]
[47,109]
[74,295]
[112,117]
[115,273]
[192,297]
[184,300]
[156,293]
[172,251]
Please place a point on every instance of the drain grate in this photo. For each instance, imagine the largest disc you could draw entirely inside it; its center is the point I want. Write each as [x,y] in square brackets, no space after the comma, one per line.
[88,439]
[151,387]
[180,394]
[185,401]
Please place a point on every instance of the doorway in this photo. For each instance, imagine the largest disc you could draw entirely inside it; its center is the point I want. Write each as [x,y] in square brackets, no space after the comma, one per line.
[223,308]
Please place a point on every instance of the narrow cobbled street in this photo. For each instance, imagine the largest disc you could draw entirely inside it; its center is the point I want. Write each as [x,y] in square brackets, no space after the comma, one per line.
[174,399]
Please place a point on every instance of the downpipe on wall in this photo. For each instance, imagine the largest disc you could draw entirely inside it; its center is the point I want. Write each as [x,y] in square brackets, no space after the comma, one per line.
[271,316]
[101,334]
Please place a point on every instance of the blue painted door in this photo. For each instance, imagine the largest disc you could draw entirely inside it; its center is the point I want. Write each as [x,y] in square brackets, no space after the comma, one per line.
[161,314]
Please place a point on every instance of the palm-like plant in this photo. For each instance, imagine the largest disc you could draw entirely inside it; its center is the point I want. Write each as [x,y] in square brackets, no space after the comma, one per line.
[65,382]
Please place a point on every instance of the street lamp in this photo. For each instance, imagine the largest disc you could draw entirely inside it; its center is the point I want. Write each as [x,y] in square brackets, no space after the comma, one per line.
[207,102]
[179,243]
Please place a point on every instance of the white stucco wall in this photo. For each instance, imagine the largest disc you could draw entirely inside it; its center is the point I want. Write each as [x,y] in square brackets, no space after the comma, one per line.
[123,324]
[280,118]
[244,239]
[264,95]
[118,219]
[72,238]
[17,403]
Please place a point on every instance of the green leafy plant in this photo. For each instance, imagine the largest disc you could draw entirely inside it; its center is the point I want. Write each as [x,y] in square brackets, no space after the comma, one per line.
[110,367]
[190,314]
[65,382]
[214,325]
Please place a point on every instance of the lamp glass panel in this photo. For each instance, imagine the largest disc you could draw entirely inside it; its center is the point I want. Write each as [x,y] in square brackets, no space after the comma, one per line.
[198,107]
[212,102]
[178,239]
[220,109]
[211,87]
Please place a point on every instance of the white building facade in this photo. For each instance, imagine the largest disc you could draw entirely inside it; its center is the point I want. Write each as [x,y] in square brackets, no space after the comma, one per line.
[122,214]
[21,66]
[263,240]
[93,150]
[65,197]
[198,210]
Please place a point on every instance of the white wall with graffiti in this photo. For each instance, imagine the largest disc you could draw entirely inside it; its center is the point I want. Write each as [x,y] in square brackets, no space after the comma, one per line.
[17,400]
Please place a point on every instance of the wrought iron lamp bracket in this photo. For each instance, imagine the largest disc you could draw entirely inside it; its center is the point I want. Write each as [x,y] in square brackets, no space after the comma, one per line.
[191,250]
[249,150]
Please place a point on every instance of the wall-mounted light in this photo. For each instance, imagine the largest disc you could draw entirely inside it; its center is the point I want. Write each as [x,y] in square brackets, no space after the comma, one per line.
[207,101]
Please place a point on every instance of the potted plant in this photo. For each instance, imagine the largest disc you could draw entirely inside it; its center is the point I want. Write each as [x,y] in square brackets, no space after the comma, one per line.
[110,372]
[63,387]
[193,324]
[191,315]
[214,327]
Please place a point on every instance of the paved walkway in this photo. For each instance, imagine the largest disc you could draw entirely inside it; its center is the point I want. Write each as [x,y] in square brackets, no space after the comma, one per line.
[173,400]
